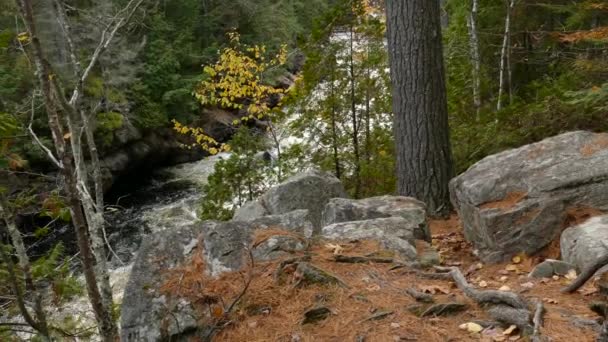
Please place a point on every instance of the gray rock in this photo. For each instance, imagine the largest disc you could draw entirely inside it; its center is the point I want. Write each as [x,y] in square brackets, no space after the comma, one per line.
[310,190]
[146,314]
[412,210]
[297,221]
[250,211]
[550,267]
[393,233]
[519,200]
[583,244]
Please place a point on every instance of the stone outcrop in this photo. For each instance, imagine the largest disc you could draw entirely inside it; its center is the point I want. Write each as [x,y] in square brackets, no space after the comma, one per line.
[521,199]
[583,244]
[149,315]
[393,233]
[310,190]
[411,210]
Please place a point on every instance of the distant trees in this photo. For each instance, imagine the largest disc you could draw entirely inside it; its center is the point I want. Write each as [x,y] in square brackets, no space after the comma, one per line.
[423,152]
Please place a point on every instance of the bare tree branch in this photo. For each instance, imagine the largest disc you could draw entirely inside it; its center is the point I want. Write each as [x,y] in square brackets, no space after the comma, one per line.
[30,130]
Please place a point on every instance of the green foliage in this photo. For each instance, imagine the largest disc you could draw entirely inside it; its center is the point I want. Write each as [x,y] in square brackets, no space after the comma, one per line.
[107,123]
[242,177]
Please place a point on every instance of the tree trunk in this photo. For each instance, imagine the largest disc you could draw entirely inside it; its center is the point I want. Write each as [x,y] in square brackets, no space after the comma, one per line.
[423,152]
[107,328]
[40,323]
[334,132]
[504,59]
[354,122]
[475,56]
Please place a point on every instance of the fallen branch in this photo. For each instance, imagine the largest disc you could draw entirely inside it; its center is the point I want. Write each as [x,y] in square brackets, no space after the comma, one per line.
[586,275]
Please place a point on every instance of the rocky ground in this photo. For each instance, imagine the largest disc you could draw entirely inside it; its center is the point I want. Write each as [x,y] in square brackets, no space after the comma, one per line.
[306,263]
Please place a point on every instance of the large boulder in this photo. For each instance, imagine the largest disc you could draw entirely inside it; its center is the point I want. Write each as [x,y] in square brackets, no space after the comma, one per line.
[585,243]
[310,190]
[149,315]
[146,314]
[393,233]
[413,211]
[521,199]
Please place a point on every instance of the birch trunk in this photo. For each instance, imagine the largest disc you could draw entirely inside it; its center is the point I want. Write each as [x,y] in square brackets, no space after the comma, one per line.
[107,328]
[475,56]
[40,323]
[353,103]
[505,51]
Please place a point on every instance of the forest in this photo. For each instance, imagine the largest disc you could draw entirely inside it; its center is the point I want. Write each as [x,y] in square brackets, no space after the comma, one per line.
[122,120]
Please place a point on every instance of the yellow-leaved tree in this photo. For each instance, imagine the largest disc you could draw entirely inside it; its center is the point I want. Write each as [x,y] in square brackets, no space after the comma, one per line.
[236,81]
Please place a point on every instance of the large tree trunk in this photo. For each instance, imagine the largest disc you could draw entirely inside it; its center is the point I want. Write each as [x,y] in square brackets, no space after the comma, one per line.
[423,153]
[475,56]
[334,131]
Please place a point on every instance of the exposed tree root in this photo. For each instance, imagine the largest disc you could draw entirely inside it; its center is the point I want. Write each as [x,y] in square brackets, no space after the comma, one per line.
[306,274]
[419,296]
[538,321]
[503,306]
[586,275]
[361,260]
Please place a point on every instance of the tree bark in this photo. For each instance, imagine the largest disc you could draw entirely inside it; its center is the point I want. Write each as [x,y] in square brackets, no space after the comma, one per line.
[353,114]
[475,56]
[423,152]
[504,58]
[107,328]
[334,132]
[40,323]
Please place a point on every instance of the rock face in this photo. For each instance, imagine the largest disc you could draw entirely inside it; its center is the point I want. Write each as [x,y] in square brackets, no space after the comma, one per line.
[413,211]
[520,200]
[393,233]
[146,314]
[310,190]
[583,244]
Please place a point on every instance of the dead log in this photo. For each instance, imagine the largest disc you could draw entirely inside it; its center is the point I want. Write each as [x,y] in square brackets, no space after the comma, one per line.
[586,275]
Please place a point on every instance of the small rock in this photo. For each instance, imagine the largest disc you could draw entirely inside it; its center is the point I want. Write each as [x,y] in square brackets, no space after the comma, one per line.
[483,283]
[504,278]
[395,325]
[550,267]
[555,277]
[504,288]
[315,315]
[527,285]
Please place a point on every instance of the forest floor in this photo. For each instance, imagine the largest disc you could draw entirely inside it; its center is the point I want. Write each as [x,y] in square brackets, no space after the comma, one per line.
[375,307]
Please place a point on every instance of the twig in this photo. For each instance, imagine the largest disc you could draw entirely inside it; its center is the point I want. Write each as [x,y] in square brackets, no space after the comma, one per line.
[48,152]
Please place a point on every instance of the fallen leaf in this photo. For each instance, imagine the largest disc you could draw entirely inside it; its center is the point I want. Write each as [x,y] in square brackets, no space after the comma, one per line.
[509,330]
[471,327]
[336,249]
[504,288]
[395,325]
[516,259]
[483,283]
[528,285]
[514,338]
[373,288]
[511,268]
[503,278]
[555,277]
[479,266]
[433,289]
[589,290]
[550,300]
[571,275]
[67,136]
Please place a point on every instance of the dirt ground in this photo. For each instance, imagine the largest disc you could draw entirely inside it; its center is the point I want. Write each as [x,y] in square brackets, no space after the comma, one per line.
[374,306]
